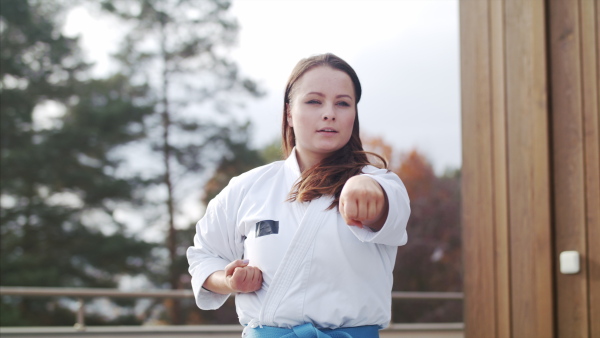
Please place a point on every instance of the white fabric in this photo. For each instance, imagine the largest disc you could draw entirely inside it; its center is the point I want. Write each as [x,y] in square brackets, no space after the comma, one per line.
[313,220]
[344,280]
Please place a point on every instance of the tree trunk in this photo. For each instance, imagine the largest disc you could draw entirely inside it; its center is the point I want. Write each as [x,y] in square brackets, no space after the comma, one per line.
[175,311]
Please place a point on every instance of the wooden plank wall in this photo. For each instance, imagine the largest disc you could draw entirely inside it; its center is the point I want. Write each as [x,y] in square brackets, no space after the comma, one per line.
[499,167]
[573,68]
[531,166]
[479,244]
[506,192]
[591,24]
[528,169]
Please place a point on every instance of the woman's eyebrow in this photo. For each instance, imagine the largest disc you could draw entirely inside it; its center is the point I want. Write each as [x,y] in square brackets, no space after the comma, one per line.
[337,96]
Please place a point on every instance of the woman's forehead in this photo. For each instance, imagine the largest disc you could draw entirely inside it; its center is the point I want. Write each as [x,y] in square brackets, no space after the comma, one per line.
[325,80]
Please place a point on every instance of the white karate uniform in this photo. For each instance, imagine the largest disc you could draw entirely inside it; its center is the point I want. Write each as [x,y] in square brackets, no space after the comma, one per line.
[345,278]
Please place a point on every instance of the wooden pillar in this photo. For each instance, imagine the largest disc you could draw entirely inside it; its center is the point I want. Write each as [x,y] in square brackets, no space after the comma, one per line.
[590,23]
[531,166]
[530,227]
[479,242]
[574,75]
[507,241]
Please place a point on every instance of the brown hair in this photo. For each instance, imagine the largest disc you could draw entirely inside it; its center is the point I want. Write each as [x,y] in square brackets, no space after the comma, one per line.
[328,176]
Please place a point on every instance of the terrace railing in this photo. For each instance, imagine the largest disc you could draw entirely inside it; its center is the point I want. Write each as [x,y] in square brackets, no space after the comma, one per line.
[84,293]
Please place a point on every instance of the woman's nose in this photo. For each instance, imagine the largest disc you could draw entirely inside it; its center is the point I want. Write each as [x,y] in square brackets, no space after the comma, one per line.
[329,115]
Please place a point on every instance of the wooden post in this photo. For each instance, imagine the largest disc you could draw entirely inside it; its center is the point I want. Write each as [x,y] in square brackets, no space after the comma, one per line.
[507,243]
[573,69]
[477,176]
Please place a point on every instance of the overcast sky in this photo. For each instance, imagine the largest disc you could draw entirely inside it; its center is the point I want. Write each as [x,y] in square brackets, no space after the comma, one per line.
[406,54]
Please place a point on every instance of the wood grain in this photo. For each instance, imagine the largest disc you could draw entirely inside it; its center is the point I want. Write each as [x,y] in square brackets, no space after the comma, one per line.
[568,164]
[499,167]
[477,194]
[590,42]
[528,170]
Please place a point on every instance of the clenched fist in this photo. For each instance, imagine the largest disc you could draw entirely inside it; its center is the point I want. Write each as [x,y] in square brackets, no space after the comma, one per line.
[363,202]
[237,277]
[243,278]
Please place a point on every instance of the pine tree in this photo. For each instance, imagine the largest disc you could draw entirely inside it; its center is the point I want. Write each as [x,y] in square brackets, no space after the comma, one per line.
[59,185]
[179,49]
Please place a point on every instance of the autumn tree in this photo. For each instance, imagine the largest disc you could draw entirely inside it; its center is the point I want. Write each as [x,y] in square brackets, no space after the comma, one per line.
[431,260]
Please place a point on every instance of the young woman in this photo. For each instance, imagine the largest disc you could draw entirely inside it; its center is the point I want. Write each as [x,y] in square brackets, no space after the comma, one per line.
[308,244]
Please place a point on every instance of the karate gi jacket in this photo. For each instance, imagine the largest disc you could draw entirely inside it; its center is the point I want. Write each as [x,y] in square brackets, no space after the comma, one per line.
[344,277]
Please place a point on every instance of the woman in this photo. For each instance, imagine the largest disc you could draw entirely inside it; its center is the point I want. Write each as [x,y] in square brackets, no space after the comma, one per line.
[308,244]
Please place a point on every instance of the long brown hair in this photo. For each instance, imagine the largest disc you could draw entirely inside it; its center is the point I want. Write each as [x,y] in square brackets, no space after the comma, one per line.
[328,176]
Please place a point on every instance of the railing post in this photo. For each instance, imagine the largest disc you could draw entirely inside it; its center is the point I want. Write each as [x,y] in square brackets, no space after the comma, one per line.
[80,324]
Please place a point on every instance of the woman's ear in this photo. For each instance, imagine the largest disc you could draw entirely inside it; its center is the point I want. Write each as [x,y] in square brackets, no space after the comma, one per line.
[288,115]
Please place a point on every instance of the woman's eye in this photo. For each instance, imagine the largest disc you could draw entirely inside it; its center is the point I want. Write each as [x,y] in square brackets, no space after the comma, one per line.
[313,102]
[344,104]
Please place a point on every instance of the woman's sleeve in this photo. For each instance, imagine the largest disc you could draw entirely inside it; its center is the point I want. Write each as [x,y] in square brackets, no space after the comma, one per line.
[217,243]
[393,231]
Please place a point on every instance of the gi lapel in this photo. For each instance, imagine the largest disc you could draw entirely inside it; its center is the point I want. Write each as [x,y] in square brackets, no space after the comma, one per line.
[313,219]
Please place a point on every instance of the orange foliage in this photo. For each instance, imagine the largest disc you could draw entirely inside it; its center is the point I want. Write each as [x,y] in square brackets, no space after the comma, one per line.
[412,167]
[431,260]
[378,146]
[416,173]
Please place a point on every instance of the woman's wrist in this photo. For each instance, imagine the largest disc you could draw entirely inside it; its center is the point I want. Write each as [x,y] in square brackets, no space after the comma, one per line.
[217,283]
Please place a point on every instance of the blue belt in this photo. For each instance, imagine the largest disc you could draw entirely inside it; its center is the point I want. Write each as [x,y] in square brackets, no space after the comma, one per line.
[309,331]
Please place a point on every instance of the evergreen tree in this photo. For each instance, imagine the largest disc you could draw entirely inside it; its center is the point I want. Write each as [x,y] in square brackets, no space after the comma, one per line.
[59,186]
[238,159]
[179,48]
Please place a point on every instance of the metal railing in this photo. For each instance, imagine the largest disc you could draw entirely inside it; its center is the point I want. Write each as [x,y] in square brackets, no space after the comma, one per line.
[83,293]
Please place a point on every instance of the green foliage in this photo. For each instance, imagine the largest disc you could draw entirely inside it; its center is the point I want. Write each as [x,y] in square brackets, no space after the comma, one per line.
[58,185]
[238,159]
[179,50]
[272,152]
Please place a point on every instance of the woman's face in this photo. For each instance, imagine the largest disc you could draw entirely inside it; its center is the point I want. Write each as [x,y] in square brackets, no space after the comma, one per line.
[322,112]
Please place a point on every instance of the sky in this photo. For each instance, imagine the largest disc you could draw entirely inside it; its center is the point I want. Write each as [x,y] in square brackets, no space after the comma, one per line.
[406,54]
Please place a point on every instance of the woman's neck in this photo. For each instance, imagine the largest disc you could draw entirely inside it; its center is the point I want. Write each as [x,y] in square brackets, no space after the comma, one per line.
[306,161]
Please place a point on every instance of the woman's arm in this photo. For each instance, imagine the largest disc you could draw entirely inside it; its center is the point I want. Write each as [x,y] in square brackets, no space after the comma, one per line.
[217,243]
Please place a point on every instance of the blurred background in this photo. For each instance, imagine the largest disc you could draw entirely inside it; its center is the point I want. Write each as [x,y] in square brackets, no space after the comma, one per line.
[121,119]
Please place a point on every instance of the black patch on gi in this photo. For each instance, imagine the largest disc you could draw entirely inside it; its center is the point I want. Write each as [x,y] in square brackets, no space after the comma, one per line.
[267,227]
